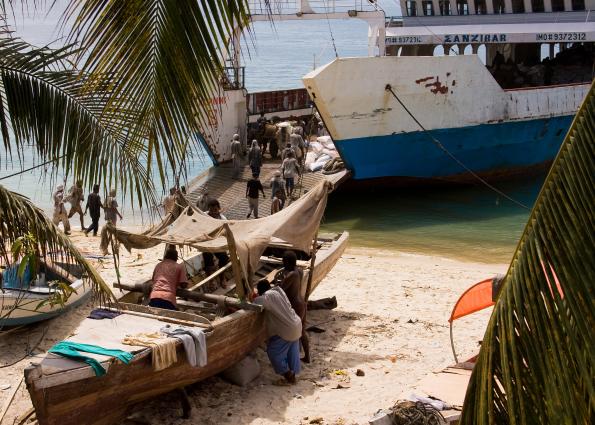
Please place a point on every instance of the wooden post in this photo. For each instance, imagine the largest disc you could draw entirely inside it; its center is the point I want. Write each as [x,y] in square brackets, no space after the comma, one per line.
[235,264]
[312,261]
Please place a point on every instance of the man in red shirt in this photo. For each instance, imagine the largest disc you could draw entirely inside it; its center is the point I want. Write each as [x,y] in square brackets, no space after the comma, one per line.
[167,277]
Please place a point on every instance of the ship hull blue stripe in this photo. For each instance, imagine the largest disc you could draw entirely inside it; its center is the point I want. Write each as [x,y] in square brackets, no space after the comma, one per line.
[482,148]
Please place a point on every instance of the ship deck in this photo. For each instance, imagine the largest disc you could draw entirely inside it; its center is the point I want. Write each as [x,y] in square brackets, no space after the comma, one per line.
[217,181]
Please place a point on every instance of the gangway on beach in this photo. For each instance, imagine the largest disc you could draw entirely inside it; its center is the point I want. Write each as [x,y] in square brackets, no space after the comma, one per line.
[231,194]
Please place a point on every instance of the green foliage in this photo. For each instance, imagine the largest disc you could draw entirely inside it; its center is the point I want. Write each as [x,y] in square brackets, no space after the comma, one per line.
[24,249]
[129,91]
[536,364]
[59,294]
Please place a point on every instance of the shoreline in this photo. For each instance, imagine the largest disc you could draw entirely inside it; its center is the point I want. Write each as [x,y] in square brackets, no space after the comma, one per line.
[391,322]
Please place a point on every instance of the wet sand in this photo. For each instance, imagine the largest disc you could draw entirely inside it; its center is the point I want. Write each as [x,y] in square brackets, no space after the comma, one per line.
[391,322]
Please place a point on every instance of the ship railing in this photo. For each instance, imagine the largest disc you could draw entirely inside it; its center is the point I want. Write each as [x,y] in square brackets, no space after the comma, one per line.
[271,102]
[233,78]
[289,7]
[494,18]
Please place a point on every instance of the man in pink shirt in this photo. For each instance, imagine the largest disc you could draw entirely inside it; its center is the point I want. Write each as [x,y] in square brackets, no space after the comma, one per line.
[167,277]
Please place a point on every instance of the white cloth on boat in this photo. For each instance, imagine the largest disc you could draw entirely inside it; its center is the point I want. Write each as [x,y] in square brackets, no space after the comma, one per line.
[164,349]
[295,225]
[194,341]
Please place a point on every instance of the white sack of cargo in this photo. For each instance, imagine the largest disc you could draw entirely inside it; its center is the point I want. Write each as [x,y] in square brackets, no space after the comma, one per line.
[323,159]
[284,124]
[316,147]
[326,141]
[330,152]
[310,158]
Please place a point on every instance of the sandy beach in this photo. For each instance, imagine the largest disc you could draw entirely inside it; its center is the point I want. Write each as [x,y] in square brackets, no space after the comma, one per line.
[391,322]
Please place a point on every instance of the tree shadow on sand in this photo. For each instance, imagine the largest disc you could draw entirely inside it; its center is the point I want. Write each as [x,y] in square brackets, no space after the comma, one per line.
[216,401]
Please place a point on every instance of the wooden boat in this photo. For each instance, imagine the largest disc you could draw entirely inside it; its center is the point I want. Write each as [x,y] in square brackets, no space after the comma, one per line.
[66,392]
[22,304]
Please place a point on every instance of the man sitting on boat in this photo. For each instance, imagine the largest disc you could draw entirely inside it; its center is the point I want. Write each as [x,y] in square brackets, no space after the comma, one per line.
[284,329]
[167,277]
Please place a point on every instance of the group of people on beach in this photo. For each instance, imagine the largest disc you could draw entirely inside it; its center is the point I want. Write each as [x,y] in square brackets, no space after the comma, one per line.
[75,197]
[282,301]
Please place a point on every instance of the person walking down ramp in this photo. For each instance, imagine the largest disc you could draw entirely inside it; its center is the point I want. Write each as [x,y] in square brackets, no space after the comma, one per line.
[290,170]
[236,156]
[252,189]
[255,158]
[284,329]
[277,185]
[60,214]
[76,197]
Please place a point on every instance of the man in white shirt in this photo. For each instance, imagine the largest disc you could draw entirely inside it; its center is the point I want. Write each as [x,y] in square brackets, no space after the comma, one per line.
[284,329]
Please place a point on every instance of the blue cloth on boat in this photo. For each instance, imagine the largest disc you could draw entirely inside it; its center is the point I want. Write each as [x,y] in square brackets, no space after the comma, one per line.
[101,313]
[11,279]
[73,350]
[284,355]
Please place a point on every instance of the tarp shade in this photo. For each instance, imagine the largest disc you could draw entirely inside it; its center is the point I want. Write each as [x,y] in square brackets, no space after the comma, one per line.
[476,298]
[297,225]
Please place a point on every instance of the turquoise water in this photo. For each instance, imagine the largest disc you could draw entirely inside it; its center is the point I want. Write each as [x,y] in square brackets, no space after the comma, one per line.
[466,223]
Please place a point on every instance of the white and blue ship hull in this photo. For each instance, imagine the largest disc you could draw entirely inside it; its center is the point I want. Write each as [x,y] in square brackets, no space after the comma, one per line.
[491,131]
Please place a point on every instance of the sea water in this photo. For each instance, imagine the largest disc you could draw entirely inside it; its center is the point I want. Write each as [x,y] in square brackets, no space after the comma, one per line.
[470,223]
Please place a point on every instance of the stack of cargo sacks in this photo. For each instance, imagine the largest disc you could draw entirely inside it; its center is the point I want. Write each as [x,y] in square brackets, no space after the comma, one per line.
[320,152]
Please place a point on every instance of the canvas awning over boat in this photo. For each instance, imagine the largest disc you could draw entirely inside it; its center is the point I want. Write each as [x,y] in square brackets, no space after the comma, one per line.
[295,225]
[568,32]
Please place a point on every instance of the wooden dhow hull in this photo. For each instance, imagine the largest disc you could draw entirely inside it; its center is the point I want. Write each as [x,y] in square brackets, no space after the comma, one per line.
[77,396]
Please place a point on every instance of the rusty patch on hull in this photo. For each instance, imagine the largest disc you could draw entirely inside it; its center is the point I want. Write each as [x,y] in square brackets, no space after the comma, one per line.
[437,86]
[423,80]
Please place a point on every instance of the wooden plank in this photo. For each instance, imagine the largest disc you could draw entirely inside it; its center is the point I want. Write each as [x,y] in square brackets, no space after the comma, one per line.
[209,278]
[273,260]
[312,263]
[163,315]
[236,266]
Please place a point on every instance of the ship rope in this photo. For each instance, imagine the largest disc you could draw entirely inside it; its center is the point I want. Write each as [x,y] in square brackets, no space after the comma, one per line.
[452,156]
[328,21]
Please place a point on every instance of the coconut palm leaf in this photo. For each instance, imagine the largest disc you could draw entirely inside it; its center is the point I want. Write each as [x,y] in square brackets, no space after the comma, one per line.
[536,364]
[43,107]
[18,216]
[163,56]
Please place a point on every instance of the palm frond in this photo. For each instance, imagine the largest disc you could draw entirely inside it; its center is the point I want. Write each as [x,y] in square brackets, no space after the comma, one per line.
[18,216]
[536,364]
[165,57]
[43,105]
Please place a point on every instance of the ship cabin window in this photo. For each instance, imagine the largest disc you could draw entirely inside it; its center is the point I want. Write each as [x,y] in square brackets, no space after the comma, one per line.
[428,8]
[578,4]
[462,7]
[518,6]
[499,6]
[411,8]
[537,5]
[557,5]
[480,7]
[445,7]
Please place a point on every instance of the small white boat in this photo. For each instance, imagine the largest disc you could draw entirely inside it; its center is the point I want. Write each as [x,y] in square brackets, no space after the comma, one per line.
[30,302]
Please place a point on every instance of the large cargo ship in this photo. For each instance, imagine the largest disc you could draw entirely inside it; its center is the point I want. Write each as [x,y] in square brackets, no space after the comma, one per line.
[431,109]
